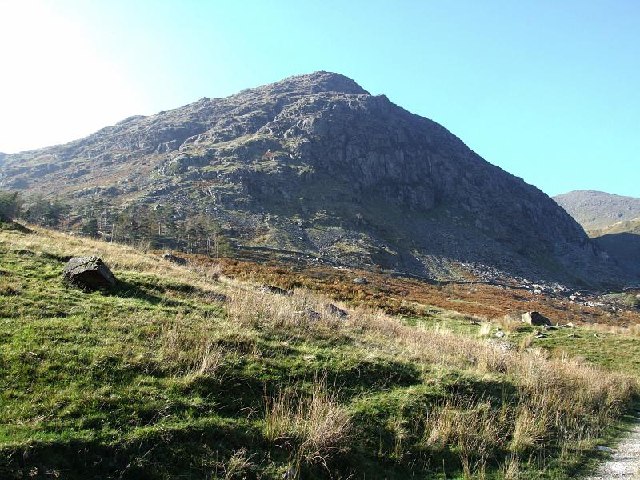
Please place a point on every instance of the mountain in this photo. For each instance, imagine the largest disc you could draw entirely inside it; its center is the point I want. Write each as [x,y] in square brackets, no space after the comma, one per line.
[598,210]
[613,221]
[316,164]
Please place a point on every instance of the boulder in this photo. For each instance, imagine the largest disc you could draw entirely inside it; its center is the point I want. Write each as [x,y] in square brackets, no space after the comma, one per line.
[337,311]
[88,273]
[535,319]
[170,257]
[360,281]
[217,297]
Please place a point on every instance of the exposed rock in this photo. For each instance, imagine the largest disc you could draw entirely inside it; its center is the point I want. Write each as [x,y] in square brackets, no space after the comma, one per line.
[512,317]
[337,311]
[536,319]
[360,281]
[217,297]
[502,345]
[88,273]
[613,222]
[174,259]
[276,290]
[603,448]
[598,210]
[312,315]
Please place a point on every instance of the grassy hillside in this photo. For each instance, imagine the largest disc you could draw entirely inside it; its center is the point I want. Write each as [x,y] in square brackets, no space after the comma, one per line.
[181,373]
[627,226]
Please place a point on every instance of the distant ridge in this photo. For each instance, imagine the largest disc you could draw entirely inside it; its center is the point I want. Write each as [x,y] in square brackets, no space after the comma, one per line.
[596,210]
[612,220]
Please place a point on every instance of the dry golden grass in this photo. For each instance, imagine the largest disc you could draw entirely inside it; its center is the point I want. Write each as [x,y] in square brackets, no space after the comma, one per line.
[475,428]
[316,425]
[561,400]
[412,297]
[116,256]
[192,347]
[238,465]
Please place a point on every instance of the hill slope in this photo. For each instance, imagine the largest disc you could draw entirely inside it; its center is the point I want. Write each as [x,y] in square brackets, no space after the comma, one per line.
[316,164]
[598,210]
[613,221]
[174,374]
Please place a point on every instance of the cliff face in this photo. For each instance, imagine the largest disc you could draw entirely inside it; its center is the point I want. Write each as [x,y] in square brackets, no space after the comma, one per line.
[317,164]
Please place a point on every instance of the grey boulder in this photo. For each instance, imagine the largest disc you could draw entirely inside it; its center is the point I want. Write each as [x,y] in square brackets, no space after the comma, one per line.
[536,319]
[174,259]
[88,273]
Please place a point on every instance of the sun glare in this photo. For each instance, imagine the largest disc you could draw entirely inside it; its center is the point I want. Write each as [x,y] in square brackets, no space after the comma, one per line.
[55,80]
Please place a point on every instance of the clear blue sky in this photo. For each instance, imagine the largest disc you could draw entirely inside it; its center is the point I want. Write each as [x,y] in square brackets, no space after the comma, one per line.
[549,90]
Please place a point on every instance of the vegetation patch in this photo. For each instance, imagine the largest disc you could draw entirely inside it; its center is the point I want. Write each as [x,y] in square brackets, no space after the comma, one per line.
[174,374]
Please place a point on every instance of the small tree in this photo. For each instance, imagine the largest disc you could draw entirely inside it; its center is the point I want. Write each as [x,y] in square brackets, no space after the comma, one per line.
[204,235]
[10,205]
[49,213]
[89,227]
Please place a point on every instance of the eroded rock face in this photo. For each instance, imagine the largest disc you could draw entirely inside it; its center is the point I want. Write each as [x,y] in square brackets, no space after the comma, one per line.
[88,273]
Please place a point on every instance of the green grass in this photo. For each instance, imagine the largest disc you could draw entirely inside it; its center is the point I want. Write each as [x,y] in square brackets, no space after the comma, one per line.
[615,349]
[160,379]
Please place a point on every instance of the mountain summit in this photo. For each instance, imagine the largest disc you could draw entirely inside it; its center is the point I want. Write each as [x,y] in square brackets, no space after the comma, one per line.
[316,164]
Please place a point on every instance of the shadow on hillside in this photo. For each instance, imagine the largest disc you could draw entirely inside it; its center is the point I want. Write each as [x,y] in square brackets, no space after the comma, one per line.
[239,389]
[167,453]
[11,225]
[624,248]
[493,391]
[136,290]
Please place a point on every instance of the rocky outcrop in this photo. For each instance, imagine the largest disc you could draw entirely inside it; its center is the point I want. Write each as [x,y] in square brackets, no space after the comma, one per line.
[88,273]
[536,319]
[316,164]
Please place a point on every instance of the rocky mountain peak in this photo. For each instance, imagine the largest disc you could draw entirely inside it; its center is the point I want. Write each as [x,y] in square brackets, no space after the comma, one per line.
[311,83]
[315,164]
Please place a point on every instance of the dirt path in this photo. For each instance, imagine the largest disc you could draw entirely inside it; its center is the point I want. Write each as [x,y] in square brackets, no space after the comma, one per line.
[625,461]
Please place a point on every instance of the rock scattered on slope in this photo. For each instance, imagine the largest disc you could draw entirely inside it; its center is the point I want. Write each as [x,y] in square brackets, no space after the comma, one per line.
[315,164]
[337,311]
[89,273]
[276,290]
[536,319]
[170,257]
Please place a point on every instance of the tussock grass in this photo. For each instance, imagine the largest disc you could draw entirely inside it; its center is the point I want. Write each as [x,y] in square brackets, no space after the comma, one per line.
[560,403]
[314,425]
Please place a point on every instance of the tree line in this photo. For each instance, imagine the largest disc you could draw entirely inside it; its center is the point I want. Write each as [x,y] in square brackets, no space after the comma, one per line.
[155,227]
